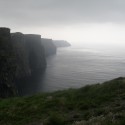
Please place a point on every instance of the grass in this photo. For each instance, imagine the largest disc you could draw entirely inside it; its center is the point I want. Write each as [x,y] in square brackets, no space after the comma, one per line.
[99,104]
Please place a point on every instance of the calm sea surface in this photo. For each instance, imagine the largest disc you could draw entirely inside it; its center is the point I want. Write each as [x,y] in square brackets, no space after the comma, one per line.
[74,68]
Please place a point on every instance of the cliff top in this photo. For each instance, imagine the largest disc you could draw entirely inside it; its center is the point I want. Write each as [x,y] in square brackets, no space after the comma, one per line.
[17,33]
[46,39]
[4,31]
[4,28]
[61,43]
[33,35]
[101,104]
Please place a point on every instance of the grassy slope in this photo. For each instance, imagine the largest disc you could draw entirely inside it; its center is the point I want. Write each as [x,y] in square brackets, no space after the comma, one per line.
[100,104]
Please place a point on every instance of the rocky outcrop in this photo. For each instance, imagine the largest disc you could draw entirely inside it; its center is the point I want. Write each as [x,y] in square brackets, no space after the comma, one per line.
[61,43]
[7,64]
[49,46]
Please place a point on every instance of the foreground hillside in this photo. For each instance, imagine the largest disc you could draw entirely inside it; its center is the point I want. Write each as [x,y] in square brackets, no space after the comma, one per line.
[99,104]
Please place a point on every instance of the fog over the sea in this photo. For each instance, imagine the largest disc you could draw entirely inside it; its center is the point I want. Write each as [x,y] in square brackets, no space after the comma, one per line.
[90,22]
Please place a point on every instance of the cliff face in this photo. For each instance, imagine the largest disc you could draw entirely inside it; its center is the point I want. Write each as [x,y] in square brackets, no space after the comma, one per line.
[61,43]
[20,56]
[30,55]
[49,46]
[7,64]
[21,52]
[31,61]
[36,54]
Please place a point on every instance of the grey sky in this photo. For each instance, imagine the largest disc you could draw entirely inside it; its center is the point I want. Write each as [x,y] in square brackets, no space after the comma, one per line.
[65,19]
[59,12]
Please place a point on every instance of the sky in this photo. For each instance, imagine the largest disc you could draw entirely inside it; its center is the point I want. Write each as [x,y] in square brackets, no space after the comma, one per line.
[90,22]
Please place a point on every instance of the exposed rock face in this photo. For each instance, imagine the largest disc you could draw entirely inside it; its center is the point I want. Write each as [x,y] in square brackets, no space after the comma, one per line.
[36,54]
[20,56]
[7,64]
[21,52]
[29,54]
[31,61]
[61,43]
[49,46]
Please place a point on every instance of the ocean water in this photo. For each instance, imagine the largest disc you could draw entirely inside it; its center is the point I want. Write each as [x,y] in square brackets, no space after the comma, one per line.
[74,67]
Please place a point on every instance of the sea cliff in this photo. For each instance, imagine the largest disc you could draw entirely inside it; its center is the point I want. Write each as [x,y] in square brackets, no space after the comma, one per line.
[49,46]
[61,43]
[36,53]
[21,55]
[7,64]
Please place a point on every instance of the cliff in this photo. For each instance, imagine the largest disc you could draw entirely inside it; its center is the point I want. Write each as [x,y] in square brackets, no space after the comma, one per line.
[61,43]
[30,55]
[36,53]
[7,64]
[49,46]
[20,56]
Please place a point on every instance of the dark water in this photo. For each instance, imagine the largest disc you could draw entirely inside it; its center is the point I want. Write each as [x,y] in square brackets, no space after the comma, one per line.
[73,68]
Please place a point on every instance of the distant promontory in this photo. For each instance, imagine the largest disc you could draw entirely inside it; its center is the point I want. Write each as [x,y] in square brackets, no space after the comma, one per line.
[61,43]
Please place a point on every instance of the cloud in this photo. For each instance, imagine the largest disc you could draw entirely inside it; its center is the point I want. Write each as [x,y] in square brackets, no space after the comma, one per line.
[60,12]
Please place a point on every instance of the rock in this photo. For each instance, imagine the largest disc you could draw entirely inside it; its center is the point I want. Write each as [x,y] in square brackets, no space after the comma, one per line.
[7,64]
[20,56]
[49,46]
[36,53]
[21,52]
[30,55]
[61,43]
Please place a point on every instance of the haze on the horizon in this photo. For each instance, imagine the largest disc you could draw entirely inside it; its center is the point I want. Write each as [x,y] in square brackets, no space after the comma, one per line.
[95,22]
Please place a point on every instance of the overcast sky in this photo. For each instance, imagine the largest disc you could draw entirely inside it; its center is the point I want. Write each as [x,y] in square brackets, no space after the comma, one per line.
[72,20]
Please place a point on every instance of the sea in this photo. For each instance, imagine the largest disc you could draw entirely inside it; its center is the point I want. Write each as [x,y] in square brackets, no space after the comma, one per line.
[75,67]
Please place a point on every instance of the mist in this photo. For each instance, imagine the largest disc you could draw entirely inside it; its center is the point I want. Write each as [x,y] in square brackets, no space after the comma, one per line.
[95,23]
[89,34]
[63,61]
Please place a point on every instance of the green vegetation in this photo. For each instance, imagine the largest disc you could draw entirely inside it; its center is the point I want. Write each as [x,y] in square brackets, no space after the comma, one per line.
[99,104]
